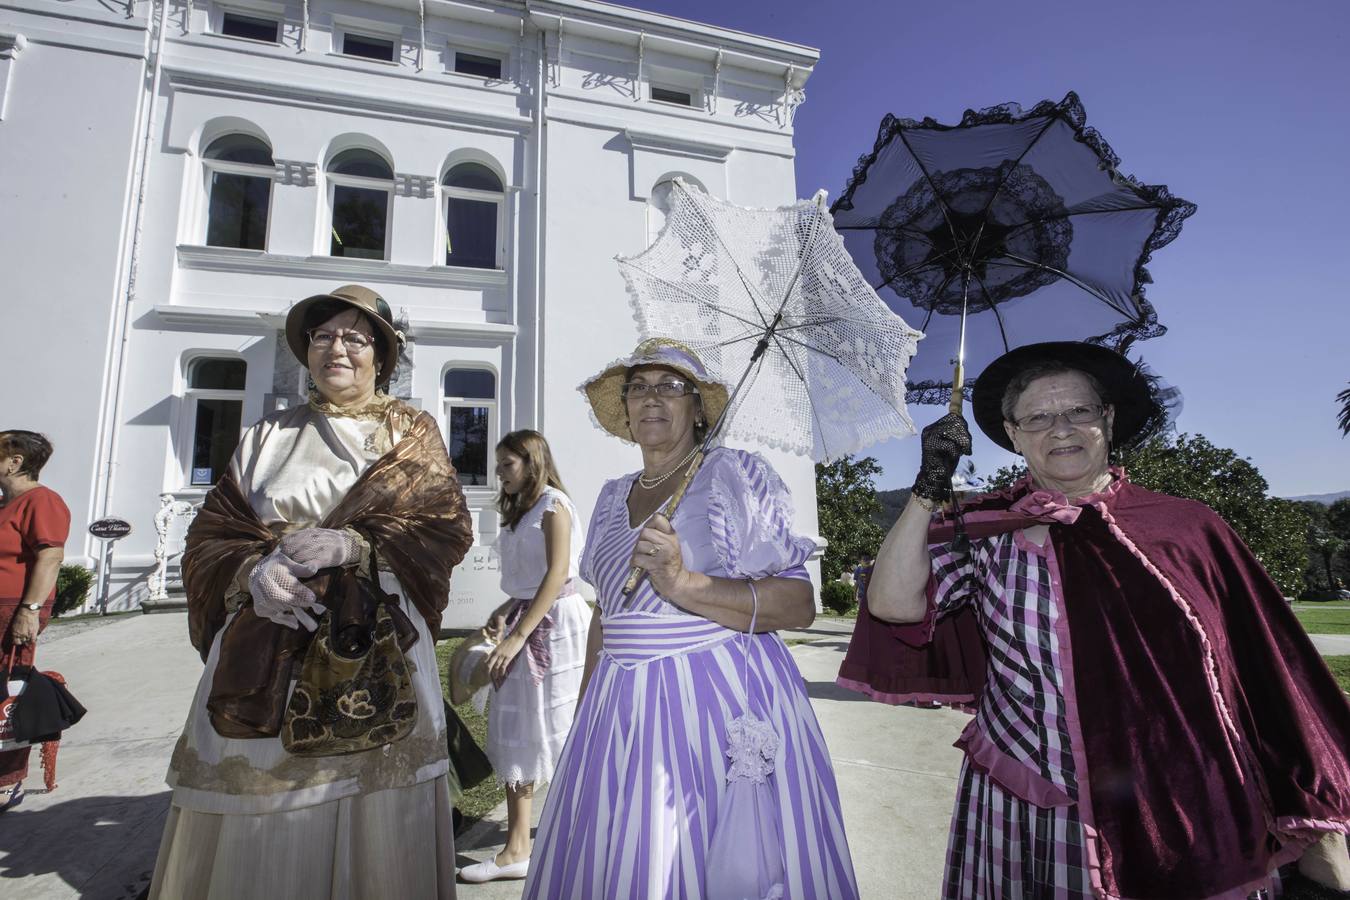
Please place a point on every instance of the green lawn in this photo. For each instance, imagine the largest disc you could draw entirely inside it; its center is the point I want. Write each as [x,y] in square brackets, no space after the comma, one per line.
[1340,667]
[1320,618]
[479,801]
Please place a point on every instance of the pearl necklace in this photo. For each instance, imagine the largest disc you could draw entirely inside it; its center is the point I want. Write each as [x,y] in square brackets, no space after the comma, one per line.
[650,483]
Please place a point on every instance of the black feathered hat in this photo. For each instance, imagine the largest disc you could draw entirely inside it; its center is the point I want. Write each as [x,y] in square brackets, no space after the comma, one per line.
[1143,404]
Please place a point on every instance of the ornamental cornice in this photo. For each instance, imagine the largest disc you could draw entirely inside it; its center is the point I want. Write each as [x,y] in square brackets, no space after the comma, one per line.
[258,262]
[311,95]
[300,174]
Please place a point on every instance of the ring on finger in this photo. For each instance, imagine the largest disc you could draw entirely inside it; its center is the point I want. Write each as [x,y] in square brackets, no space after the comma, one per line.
[653,551]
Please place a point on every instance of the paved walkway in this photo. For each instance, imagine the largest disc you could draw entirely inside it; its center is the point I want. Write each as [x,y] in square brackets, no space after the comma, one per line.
[96,836]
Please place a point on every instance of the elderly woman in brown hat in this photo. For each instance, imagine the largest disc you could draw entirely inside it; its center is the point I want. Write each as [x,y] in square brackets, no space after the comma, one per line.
[1150,719]
[353,487]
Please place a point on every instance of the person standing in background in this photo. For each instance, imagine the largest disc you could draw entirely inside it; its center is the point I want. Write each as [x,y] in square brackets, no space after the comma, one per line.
[34,525]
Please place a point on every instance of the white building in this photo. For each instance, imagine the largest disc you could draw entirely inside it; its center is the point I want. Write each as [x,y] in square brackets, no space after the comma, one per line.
[174,174]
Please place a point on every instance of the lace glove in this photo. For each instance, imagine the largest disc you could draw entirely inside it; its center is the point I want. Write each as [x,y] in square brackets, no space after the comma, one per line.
[312,549]
[944,443]
[278,594]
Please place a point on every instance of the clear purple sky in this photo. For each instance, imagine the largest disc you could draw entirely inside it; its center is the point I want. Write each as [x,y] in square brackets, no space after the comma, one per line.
[1240,106]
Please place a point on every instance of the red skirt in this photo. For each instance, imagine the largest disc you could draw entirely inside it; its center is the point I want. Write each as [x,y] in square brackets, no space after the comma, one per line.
[14,763]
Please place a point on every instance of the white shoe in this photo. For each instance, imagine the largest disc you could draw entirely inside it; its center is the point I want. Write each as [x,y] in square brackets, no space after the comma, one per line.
[488,870]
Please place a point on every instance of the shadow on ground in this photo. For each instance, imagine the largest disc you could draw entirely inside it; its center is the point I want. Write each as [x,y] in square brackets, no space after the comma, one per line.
[102,847]
[828,690]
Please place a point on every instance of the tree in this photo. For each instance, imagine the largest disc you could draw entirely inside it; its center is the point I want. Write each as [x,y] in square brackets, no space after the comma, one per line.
[847,505]
[1343,398]
[1190,466]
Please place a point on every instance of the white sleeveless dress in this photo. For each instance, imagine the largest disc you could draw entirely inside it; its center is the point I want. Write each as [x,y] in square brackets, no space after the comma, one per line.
[528,723]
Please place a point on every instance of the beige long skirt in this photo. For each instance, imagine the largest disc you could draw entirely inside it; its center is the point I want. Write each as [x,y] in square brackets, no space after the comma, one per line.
[393,843]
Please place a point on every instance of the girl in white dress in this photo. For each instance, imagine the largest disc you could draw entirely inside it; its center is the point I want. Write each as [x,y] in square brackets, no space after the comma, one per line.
[541,633]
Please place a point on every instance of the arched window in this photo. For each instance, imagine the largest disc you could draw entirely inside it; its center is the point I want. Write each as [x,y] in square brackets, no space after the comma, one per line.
[239,172]
[215,410]
[471,422]
[658,204]
[360,192]
[474,217]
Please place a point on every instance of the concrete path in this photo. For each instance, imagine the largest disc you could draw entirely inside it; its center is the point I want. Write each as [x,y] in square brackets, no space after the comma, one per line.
[1331,644]
[97,835]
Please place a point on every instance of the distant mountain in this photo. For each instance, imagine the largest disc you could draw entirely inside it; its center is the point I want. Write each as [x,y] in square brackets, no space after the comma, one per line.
[1324,499]
[892,504]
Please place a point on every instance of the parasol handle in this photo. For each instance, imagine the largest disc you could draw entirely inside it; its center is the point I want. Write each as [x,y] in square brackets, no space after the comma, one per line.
[958,382]
[634,573]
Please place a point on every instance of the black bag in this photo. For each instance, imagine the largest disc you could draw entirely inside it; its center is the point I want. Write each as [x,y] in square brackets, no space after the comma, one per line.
[470,763]
[45,709]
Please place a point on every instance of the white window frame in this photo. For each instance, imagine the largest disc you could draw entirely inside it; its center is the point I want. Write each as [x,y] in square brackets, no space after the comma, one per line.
[212,166]
[482,52]
[276,18]
[695,101]
[449,402]
[188,419]
[360,181]
[448,193]
[360,29]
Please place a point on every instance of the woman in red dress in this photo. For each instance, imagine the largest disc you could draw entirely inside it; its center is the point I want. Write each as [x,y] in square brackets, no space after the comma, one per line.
[34,523]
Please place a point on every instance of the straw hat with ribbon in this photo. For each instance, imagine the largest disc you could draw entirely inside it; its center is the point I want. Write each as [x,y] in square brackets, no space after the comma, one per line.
[605,390]
[360,298]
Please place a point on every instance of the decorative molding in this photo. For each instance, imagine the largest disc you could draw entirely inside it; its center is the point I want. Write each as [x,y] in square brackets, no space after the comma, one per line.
[676,145]
[439,330]
[300,174]
[422,186]
[211,318]
[388,104]
[11,45]
[763,134]
[258,262]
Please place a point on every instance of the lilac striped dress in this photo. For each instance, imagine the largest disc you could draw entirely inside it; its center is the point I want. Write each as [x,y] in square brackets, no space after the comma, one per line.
[635,797]
[1016,831]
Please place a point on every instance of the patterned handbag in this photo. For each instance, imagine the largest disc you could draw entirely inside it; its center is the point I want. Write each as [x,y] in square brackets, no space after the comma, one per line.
[355,690]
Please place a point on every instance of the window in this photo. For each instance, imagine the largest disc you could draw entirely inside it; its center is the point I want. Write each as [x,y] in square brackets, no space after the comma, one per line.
[670,95]
[368,47]
[470,419]
[215,410]
[482,66]
[474,216]
[239,172]
[251,27]
[361,188]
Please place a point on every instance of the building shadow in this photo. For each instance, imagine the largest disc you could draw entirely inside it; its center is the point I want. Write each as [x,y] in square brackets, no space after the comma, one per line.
[101,847]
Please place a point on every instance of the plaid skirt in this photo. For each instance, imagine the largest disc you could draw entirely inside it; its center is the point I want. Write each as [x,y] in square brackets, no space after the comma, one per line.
[1003,848]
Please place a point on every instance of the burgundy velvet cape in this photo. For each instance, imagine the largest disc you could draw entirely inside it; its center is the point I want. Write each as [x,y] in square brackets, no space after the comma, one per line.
[1212,738]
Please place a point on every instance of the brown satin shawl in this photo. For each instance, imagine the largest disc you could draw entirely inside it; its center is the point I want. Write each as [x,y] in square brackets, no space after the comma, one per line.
[409,503]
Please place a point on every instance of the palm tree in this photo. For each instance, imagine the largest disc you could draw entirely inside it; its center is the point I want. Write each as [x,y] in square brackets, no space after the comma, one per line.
[1343,398]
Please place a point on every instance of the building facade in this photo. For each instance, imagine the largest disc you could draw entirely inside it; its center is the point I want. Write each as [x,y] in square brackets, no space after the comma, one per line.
[176,173]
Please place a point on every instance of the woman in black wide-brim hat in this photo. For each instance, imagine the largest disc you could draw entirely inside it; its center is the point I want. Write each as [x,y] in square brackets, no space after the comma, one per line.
[1150,719]
[313,494]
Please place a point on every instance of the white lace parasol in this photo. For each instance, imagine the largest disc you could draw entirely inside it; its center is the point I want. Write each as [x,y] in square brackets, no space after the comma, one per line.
[724,279]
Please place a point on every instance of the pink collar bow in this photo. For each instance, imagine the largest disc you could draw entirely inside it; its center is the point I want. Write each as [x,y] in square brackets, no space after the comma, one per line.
[1050,507]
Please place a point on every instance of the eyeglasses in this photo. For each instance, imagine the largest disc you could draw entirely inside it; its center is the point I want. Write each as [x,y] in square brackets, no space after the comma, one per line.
[354,341]
[636,390]
[1044,421]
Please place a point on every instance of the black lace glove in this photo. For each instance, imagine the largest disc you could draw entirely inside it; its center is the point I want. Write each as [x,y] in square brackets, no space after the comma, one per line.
[944,443]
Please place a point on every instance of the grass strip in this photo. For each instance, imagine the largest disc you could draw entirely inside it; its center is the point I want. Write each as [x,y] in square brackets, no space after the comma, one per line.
[478,801]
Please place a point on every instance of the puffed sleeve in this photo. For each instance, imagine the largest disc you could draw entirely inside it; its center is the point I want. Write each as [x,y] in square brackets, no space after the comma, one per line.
[47,523]
[750,517]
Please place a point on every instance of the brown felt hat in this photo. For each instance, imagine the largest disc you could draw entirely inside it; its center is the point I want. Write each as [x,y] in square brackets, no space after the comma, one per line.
[360,298]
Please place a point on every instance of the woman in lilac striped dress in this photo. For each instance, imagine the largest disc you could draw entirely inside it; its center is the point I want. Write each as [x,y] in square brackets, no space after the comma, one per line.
[637,795]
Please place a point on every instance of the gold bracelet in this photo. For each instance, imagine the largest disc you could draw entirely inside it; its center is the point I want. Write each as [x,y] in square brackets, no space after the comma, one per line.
[926,504]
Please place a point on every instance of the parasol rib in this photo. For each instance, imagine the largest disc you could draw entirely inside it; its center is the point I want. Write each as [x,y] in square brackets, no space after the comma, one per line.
[1069,277]
[993,307]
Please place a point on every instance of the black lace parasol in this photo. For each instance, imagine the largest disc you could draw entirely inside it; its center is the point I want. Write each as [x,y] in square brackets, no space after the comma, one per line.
[1018,216]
